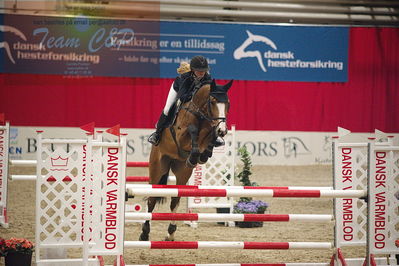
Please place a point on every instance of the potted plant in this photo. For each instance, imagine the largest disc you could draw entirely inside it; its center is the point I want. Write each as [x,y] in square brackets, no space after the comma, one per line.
[247,204]
[251,206]
[17,251]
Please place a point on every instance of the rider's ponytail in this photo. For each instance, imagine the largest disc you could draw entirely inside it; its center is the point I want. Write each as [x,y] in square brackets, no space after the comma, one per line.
[183,68]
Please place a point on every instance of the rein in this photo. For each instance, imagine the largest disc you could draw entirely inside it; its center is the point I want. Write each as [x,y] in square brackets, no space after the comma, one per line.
[200,115]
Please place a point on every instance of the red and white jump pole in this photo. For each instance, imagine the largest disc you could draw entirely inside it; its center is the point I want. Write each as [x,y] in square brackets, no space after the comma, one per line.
[131,179]
[134,179]
[137,164]
[23,162]
[226,217]
[34,163]
[239,264]
[275,193]
[225,244]
[147,186]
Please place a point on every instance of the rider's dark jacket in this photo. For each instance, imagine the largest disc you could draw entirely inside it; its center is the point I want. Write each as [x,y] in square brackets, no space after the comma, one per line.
[185,85]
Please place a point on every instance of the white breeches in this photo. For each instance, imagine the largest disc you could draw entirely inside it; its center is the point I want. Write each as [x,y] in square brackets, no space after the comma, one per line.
[172,95]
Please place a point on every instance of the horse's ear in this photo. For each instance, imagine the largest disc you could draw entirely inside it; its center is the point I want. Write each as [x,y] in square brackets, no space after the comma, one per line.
[213,85]
[228,85]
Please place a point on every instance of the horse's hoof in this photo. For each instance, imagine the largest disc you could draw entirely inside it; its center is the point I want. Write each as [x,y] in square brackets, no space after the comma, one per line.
[189,164]
[168,239]
[203,159]
[144,237]
[202,162]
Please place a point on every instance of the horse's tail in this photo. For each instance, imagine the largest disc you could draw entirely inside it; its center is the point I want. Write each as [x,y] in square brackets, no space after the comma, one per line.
[162,181]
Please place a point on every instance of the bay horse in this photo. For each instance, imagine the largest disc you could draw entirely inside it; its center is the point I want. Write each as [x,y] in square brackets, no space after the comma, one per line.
[187,142]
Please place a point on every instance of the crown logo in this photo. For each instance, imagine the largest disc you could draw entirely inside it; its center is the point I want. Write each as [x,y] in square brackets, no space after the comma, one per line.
[59,162]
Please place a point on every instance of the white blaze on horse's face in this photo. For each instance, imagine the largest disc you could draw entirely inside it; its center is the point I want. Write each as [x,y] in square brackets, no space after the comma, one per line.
[222,127]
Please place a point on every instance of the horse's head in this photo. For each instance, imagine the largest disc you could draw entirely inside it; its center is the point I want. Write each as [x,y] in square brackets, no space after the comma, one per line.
[212,105]
[219,105]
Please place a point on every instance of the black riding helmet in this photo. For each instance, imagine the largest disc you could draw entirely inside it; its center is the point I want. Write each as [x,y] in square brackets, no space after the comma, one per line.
[199,63]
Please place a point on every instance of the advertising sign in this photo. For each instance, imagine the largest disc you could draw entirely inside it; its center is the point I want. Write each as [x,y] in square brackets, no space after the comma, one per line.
[258,52]
[133,48]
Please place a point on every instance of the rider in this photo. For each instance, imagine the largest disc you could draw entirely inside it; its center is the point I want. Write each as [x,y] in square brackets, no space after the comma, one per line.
[182,88]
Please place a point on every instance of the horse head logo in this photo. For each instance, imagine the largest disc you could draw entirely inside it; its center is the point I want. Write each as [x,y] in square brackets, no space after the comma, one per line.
[5,45]
[294,146]
[242,52]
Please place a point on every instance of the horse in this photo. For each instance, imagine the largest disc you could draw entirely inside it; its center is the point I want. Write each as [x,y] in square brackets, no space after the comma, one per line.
[189,140]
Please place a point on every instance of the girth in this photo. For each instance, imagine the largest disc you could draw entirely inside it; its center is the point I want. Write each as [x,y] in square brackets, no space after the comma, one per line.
[182,153]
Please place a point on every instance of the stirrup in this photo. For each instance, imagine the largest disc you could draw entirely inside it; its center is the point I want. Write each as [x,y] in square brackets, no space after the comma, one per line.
[154,138]
[218,142]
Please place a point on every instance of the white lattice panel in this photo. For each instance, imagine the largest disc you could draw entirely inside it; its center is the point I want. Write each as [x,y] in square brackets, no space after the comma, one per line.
[218,171]
[60,169]
[4,142]
[384,201]
[350,173]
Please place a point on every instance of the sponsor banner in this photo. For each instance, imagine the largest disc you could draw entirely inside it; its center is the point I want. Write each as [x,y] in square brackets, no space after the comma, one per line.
[79,46]
[258,52]
[265,147]
[103,47]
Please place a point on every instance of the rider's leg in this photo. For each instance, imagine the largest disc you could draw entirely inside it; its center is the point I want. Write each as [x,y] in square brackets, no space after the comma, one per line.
[155,137]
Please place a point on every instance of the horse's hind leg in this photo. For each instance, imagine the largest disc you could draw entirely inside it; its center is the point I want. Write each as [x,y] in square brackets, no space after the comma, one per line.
[159,172]
[174,204]
[145,234]
[182,174]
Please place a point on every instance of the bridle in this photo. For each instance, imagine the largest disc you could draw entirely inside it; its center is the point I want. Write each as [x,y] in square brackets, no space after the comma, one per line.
[197,111]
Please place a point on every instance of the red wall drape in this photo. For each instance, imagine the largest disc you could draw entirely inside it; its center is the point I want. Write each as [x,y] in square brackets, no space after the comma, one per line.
[369,100]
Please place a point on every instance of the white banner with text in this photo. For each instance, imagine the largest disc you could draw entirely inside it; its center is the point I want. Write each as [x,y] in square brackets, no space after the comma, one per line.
[265,147]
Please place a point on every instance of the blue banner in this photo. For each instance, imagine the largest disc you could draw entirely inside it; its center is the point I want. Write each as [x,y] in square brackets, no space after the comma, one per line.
[259,52]
[99,47]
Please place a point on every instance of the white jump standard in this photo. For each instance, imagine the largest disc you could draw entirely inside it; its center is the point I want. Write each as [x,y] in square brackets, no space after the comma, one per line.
[4,143]
[90,205]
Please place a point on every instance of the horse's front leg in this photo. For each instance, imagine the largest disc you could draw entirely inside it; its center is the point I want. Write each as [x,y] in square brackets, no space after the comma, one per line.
[206,154]
[145,234]
[174,204]
[192,160]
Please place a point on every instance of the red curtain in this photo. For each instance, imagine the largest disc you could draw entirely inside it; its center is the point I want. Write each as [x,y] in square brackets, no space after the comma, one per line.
[369,100]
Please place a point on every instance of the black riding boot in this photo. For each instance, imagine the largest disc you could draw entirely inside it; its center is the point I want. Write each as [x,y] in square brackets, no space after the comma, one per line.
[155,137]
